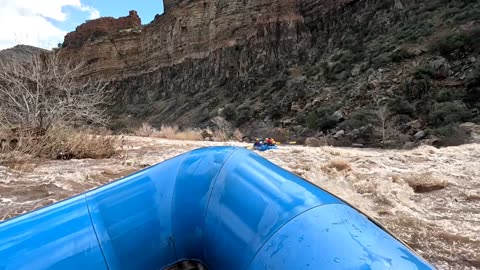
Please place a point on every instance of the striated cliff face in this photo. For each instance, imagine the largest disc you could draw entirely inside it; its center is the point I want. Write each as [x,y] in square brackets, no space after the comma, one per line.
[188,30]
[93,30]
[307,65]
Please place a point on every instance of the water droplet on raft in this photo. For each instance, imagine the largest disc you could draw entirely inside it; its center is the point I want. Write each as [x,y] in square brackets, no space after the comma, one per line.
[337,260]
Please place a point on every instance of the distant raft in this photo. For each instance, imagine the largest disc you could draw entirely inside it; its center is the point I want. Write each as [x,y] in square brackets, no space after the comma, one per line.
[265,144]
[213,208]
[265,147]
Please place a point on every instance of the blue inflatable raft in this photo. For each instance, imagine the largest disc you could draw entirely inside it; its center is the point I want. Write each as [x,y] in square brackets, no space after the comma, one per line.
[264,147]
[214,208]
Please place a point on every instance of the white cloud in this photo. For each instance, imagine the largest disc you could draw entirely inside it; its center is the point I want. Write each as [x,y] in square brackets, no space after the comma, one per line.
[94,14]
[29,21]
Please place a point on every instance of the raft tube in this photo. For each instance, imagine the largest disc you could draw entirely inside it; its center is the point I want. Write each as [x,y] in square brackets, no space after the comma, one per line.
[265,147]
[226,207]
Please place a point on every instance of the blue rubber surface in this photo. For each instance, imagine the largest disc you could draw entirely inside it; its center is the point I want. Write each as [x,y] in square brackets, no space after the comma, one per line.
[225,206]
[265,147]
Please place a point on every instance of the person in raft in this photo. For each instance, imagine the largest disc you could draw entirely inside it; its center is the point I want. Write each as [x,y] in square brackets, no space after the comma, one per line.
[270,142]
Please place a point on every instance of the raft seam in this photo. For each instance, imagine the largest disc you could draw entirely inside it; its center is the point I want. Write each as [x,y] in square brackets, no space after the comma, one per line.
[278,229]
[172,236]
[95,231]
[214,181]
[173,205]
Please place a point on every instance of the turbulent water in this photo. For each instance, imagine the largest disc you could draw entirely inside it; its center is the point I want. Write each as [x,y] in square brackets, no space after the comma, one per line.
[442,225]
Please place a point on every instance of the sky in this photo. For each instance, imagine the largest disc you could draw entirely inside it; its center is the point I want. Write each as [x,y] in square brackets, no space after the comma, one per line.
[44,23]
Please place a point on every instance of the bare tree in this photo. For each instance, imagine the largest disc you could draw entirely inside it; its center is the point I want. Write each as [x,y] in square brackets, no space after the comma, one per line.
[46,92]
[387,129]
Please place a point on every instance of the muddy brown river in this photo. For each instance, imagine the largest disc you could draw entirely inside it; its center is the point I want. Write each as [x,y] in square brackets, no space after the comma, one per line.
[428,197]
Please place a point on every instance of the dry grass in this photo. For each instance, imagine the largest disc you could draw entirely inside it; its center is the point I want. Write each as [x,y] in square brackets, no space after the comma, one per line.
[145,131]
[174,133]
[60,143]
[167,132]
[189,135]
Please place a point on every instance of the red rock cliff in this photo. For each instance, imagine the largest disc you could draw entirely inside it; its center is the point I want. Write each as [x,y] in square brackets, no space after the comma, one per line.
[188,29]
[101,27]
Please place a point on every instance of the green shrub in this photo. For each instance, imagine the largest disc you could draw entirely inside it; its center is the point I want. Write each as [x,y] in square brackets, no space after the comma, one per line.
[449,94]
[473,78]
[139,110]
[204,115]
[343,61]
[338,67]
[401,106]
[415,30]
[451,135]
[321,118]
[469,14]
[243,115]
[401,54]
[445,95]
[423,72]
[276,111]
[327,72]
[360,118]
[416,88]
[229,111]
[447,113]
[457,44]
[476,119]
[381,60]
[279,83]
[472,83]
[312,71]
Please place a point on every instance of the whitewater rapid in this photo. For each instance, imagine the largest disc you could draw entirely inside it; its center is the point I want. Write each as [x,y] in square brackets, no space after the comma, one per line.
[442,225]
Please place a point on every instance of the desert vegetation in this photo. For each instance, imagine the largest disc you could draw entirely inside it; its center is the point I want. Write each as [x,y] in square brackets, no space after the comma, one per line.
[175,133]
[46,107]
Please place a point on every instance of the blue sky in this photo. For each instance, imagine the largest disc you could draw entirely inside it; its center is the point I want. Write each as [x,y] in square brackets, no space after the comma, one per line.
[44,23]
[147,9]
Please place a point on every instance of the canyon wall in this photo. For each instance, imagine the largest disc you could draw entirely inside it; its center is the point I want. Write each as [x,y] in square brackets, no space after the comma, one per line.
[278,62]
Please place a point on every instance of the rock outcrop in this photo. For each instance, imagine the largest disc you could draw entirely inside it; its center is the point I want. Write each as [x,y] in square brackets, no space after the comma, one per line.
[95,29]
[20,53]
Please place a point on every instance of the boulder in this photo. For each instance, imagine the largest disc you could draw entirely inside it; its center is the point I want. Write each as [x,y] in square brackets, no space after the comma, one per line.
[474,131]
[338,116]
[440,66]
[339,134]
[419,135]
[354,133]
[415,124]
[219,123]
[207,134]
[356,71]
[314,142]
[404,138]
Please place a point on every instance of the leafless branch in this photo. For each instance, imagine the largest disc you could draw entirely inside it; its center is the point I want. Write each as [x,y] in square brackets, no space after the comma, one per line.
[386,126]
[46,92]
